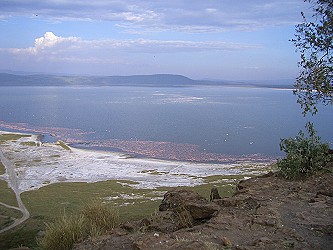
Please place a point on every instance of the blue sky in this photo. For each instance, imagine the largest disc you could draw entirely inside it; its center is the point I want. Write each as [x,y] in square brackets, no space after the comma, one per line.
[214,39]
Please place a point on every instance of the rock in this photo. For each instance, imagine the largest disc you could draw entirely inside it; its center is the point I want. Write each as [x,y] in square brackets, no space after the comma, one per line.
[41,233]
[236,201]
[144,222]
[325,189]
[140,244]
[214,194]
[130,227]
[262,216]
[191,245]
[226,242]
[164,221]
[202,211]
[196,205]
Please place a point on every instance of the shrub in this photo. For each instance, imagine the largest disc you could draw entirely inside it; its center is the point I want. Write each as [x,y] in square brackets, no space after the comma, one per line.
[304,155]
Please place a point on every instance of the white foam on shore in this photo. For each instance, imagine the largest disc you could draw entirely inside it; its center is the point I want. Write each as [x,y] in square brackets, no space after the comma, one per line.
[38,165]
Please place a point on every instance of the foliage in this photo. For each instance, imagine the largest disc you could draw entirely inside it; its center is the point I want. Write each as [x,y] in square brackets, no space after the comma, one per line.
[314,40]
[304,155]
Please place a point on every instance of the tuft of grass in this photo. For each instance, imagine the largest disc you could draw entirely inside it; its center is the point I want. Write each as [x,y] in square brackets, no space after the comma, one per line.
[63,233]
[95,219]
[100,218]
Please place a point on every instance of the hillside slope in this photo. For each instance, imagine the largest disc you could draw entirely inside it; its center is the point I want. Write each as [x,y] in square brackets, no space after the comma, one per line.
[266,212]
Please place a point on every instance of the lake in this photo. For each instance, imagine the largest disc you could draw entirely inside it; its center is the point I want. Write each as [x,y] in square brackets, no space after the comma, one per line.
[181,123]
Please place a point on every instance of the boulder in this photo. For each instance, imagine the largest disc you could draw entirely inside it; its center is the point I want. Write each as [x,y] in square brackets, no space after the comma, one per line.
[180,199]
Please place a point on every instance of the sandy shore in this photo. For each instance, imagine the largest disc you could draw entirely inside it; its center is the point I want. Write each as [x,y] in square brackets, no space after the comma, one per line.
[37,165]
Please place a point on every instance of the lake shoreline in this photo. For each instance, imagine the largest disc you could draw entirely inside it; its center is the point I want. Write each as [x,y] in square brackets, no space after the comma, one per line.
[40,164]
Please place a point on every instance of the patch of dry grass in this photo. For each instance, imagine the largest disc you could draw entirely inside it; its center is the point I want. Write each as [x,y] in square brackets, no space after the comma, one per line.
[63,233]
[95,219]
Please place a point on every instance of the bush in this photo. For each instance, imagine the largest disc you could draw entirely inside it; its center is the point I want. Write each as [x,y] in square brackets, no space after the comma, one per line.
[304,155]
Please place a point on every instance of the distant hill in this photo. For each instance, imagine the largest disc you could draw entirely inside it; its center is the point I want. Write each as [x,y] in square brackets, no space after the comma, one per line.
[157,80]
[55,80]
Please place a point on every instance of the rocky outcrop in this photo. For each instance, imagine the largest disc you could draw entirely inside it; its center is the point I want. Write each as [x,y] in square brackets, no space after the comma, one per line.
[265,212]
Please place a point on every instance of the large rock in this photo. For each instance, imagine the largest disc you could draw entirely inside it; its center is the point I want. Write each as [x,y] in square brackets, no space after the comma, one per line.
[198,207]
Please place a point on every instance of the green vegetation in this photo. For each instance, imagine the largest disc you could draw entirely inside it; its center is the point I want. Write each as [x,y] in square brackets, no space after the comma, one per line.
[314,40]
[63,233]
[71,197]
[29,143]
[11,137]
[314,85]
[48,204]
[100,218]
[7,195]
[2,168]
[304,155]
[94,219]
[8,215]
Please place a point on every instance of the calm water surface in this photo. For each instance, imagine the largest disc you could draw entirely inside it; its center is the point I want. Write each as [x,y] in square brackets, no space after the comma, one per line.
[224,120]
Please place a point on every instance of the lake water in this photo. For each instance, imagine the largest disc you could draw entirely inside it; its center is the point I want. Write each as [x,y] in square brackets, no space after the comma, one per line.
[162,122]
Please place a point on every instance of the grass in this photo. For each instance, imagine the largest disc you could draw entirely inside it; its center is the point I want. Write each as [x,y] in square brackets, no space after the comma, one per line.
[70,197]
[51,202]
[7,216]
[94,219]
[11,137]
[2,168]
[63,233]
[7,195]
[29,143]
[100,218]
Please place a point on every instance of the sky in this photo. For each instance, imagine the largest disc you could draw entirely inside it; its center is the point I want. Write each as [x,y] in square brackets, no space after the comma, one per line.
[200,39]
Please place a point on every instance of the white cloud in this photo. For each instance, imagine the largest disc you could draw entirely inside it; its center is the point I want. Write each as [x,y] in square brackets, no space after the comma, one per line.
[52,53]
[50,44]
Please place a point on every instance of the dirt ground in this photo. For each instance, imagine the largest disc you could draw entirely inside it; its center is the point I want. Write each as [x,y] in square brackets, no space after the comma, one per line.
[266,212]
